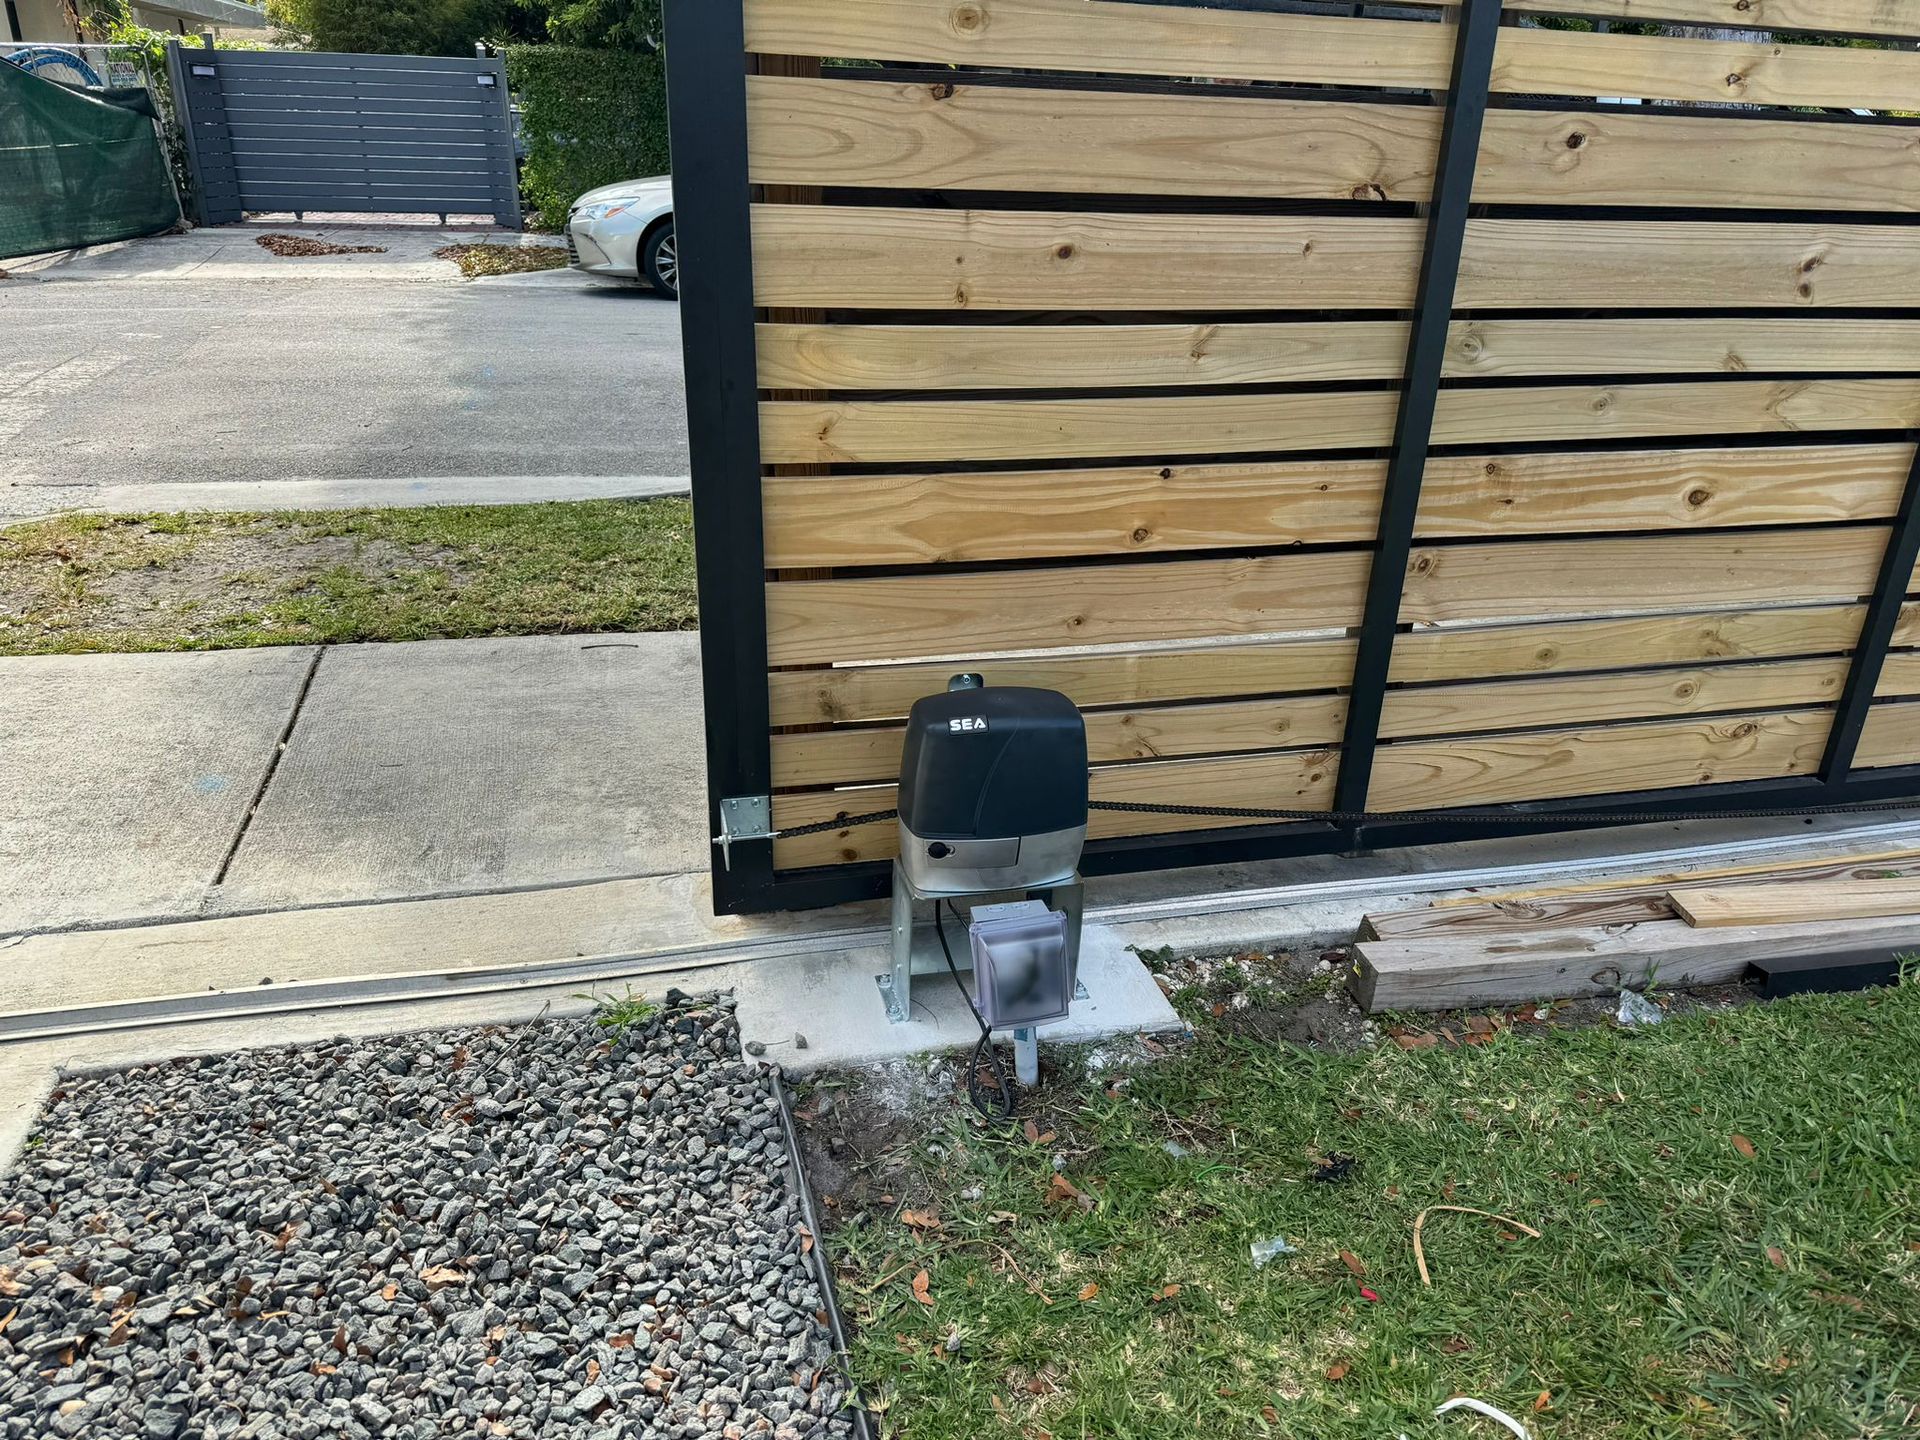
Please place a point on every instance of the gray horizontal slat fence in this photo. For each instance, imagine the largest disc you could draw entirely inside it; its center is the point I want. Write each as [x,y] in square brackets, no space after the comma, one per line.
[272,130]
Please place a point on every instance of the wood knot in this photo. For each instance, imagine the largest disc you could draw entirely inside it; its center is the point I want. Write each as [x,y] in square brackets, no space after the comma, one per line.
[1065,252]
[1698,498]
[1576,140]
[1547,654]
[969,17]
[942,91]
[1074,622]
[1166,472]
[1736,81]
[1492,468]
[1141,535]
[1686,690]
[1422,564]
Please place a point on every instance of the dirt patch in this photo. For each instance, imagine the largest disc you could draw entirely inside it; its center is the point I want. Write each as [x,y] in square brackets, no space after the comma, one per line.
[478,260]
[293,247]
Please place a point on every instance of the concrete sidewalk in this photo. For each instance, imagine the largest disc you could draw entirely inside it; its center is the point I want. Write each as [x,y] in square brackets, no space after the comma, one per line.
[162,787]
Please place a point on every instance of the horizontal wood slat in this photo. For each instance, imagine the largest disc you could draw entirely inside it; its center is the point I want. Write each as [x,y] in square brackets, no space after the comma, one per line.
[1287,780]
[939,135]
[1492,770]
[1891,736]
[1901,674]
[1011,357]
[1013,515]
[894,431]
[1584,700]
[1858,17]
[895,258]
[846,757]
[886,692]
[1526,578]
[821,621]
[1111,38]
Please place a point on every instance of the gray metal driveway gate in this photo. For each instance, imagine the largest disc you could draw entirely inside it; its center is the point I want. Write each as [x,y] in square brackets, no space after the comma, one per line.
[278,130]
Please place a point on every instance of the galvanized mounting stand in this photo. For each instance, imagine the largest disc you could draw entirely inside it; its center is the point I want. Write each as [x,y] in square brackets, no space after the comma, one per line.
[896,986]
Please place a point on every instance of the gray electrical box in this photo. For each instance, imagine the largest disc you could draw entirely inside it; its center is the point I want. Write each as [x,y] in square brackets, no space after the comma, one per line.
[1022,965]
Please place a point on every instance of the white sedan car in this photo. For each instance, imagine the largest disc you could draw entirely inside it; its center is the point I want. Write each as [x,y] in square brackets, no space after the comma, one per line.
[627,230]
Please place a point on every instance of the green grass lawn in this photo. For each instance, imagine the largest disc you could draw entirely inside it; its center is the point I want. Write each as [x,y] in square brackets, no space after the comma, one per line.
[194,582]
[1729,1208]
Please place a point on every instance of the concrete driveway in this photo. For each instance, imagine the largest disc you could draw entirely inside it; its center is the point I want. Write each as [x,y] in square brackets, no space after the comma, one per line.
[201,359]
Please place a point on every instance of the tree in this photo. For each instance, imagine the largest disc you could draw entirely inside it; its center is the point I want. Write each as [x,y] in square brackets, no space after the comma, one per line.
[387,27]
[595,24]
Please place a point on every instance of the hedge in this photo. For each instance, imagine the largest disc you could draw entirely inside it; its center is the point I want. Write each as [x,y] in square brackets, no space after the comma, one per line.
[587,118]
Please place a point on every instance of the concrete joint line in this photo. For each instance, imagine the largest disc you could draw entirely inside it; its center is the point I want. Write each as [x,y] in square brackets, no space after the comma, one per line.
[273,768]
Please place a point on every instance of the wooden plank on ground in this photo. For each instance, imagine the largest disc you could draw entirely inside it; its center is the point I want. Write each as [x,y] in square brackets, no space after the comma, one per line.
[887,692]
[1430,974]
[1815,903]
[947,613]
[1891,736]
[1526,578]
[861,257]
[1545,765]
[1741,71]
[1094,35]
[929,431]
[1028,514]
[948,518]
[1588,699]
[852,757]
[1284,780]
[938,135]
[1014,357]
[1613,902]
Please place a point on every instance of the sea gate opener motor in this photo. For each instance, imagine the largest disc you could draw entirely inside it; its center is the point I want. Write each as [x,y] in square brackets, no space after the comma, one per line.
[993,798]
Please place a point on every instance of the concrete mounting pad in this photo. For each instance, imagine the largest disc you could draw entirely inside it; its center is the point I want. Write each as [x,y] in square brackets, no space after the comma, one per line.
[444,766]
[128,776]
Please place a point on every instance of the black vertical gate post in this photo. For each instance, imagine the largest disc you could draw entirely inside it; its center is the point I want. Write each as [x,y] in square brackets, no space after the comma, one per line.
[200,106]
[1477,32]
[1876,634]
[707,120]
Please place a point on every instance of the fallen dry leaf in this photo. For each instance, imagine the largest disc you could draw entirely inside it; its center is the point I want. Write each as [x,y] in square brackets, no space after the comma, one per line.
[387,1292]
[1744,1146]
[999,1405]
[806,1239]
[1543,1401]
[593,1369]
[1089,1290]
[1353,1262]
[921,1292]
[1338,1370]
[440,1276]
[1165,1292]
[919,1220]
[1269,1414]
[1777,1256]
[621,1342]
[1415,1039]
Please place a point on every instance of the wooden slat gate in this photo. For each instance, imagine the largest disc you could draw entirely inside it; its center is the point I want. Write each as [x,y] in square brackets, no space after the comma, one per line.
[287,130]
[1354,415]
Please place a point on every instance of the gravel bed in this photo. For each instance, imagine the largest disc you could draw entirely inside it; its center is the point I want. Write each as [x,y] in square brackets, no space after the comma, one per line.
[535,1231]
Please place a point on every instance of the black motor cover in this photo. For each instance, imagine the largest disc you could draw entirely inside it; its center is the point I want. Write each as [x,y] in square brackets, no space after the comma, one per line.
[991,762]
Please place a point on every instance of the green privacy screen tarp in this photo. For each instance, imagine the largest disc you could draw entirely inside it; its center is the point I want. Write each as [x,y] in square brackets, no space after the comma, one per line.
[75,170]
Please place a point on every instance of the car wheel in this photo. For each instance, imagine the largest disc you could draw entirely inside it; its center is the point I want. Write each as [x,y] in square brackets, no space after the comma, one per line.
[660,262]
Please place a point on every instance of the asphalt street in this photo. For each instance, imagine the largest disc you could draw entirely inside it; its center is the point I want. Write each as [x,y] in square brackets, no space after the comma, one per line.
[232,380]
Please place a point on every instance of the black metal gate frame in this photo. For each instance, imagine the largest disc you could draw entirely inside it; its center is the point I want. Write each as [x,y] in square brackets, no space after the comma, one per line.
[707,108]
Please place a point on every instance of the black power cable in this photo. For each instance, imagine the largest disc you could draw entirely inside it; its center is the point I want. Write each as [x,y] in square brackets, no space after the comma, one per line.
[1003,1110]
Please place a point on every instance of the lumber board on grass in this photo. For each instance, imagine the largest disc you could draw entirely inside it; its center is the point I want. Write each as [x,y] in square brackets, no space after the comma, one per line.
[1095,35]
[1557,764]
[894,258]
[1588,699]
[1891,736]
[929,431]
[847,131]
[850,757]
[1014,357]
[1720,906]
[1286,779]
[887,692]
[946,613]
[945,518]
[1539,578]
[1447,974]
[1599,903]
